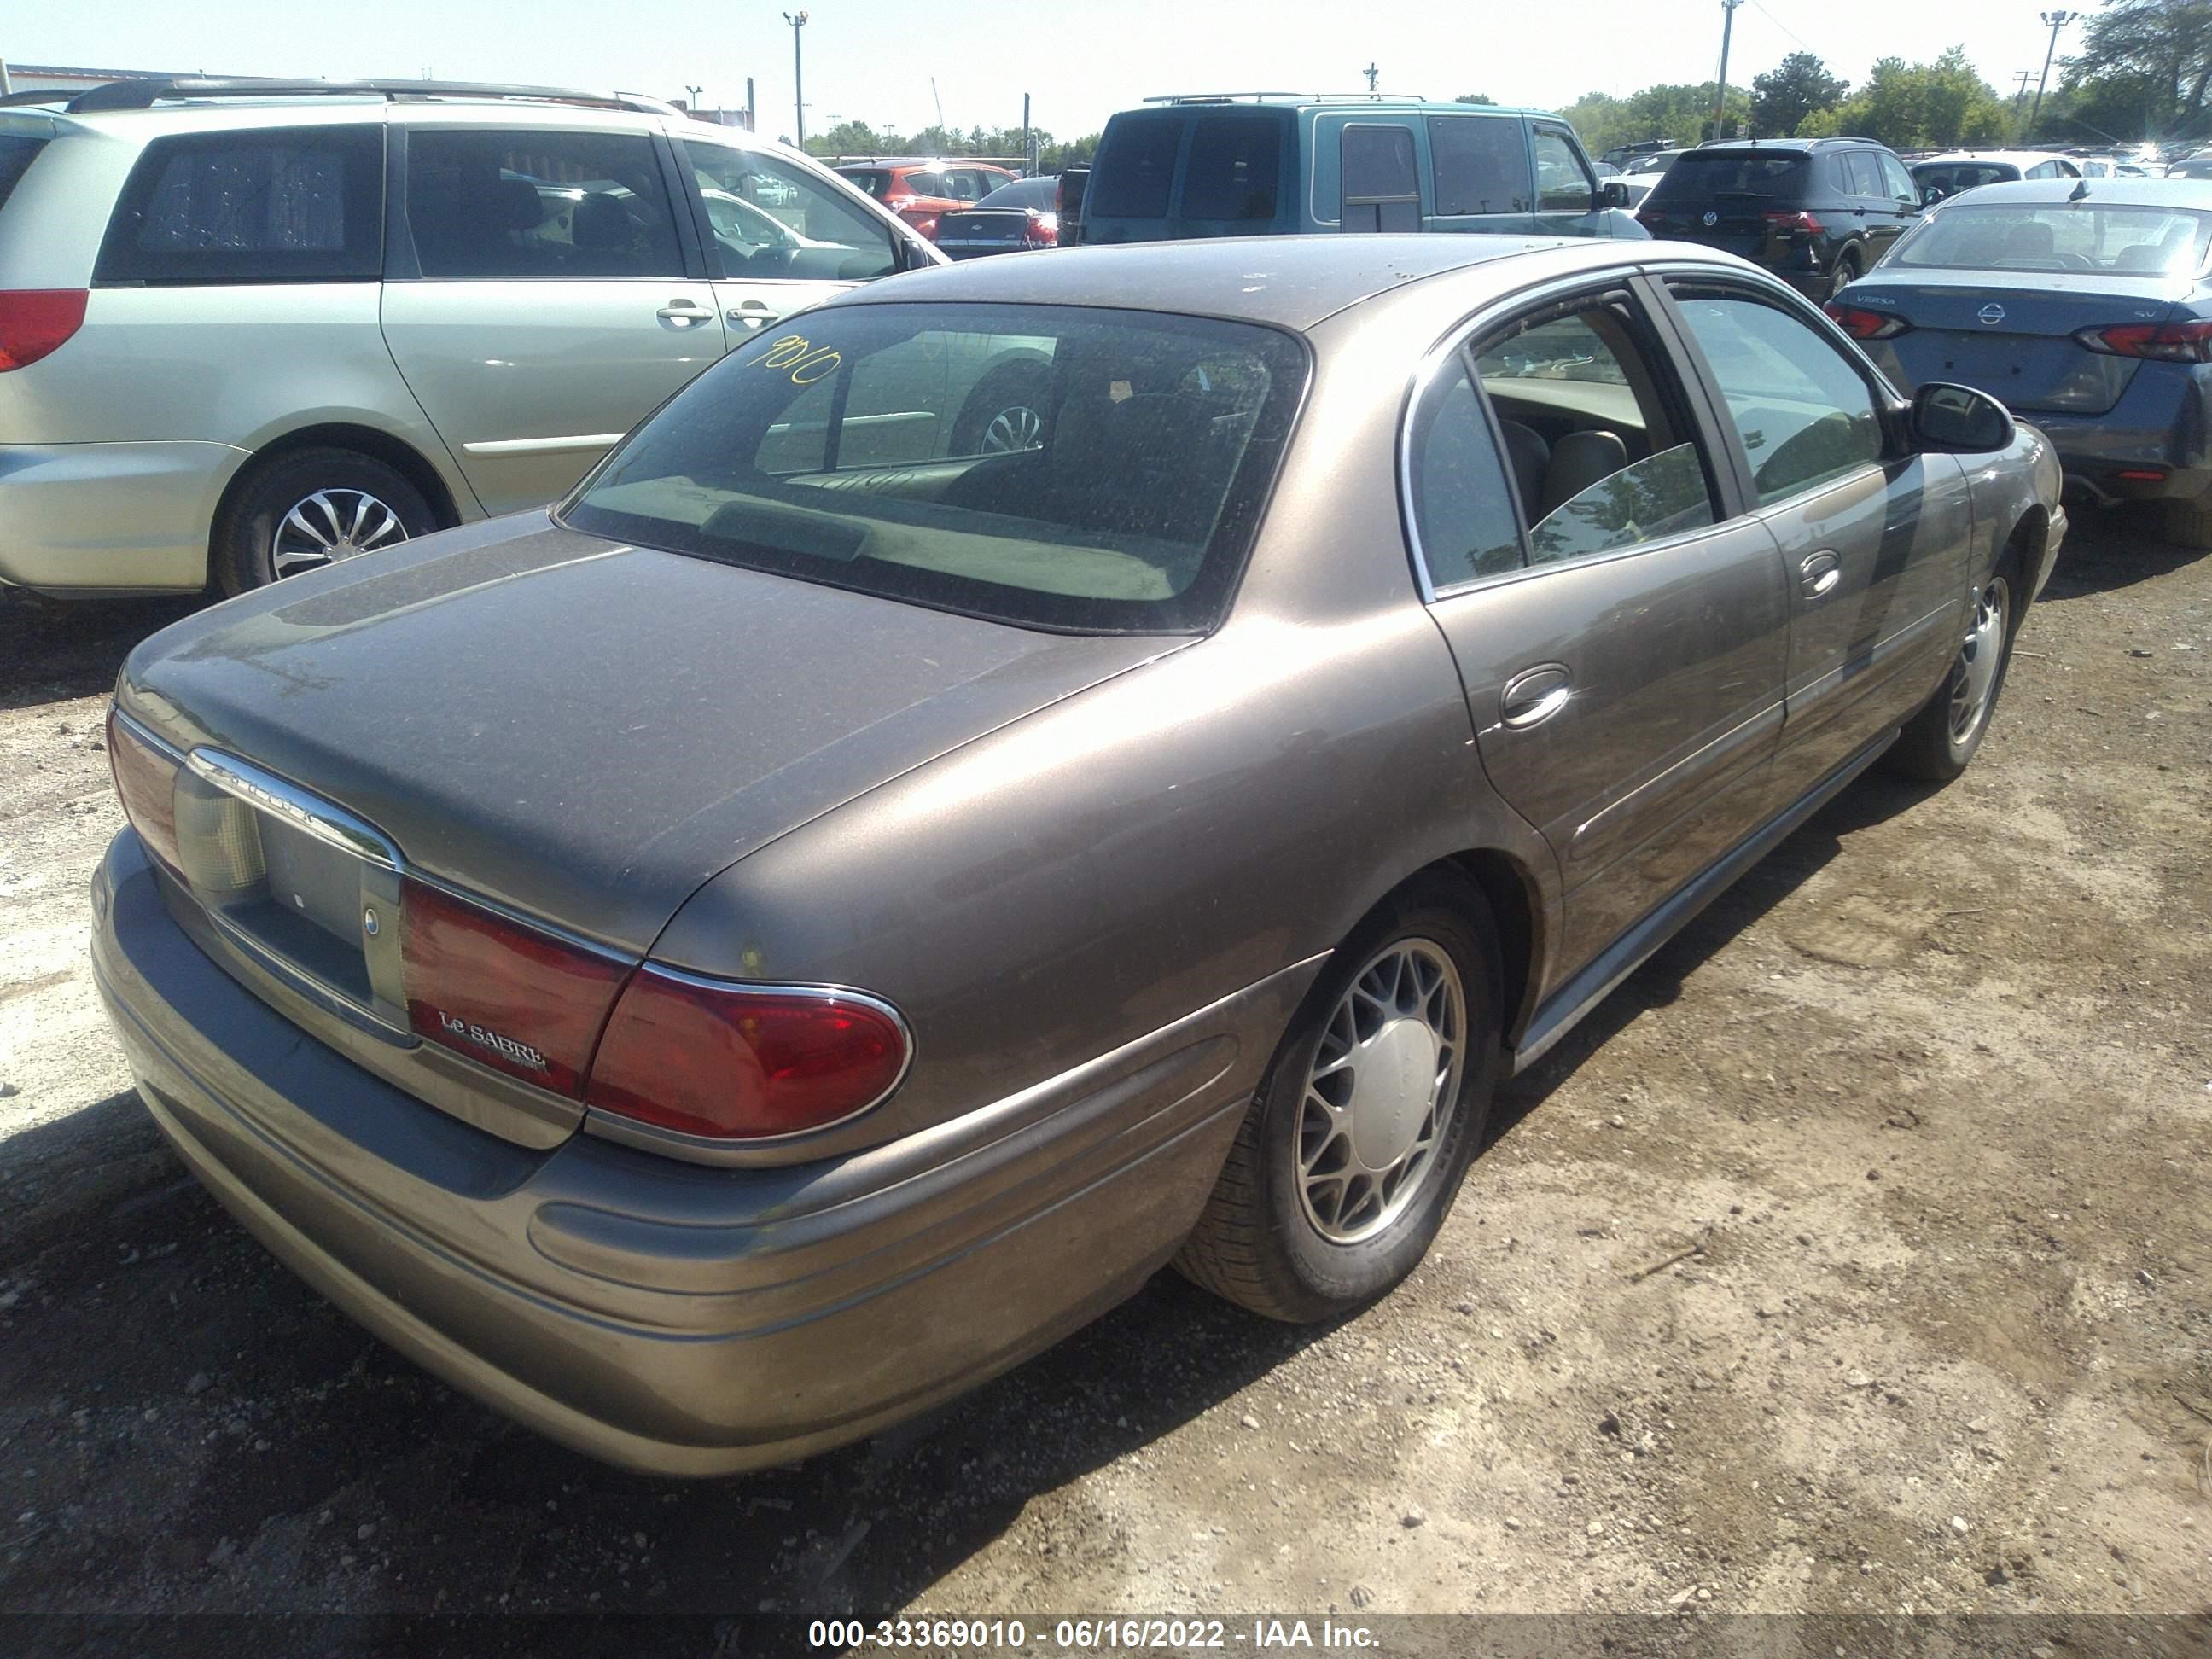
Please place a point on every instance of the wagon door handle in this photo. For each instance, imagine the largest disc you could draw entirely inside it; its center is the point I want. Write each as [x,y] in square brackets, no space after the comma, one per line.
[1533,696]
[1818,576]
[753,313]
[684,312]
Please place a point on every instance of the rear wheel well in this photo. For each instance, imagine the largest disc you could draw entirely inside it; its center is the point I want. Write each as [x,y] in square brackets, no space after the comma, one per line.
[400,456]
[1512,899]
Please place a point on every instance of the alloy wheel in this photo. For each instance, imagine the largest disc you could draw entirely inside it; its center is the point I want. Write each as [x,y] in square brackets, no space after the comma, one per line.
[331,525]
[1974,681]
[1013,429]
[1381,1091]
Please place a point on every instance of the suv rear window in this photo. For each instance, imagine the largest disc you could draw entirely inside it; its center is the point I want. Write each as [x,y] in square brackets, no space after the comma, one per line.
[1135,168]
[17,152]
[283,204]
[876,181]
[1707,176]
[1051,466]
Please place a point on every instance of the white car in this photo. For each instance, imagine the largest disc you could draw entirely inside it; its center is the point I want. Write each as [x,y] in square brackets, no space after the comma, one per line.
[248,328]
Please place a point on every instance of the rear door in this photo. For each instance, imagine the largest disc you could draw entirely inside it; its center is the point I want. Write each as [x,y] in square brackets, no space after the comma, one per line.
[1875,543]
[547,300]
[1480,176]
[1620,636]
[778,238]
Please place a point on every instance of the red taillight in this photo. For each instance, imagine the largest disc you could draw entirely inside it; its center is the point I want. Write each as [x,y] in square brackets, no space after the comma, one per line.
[713,1057]
[1799,220]
[2165,342]
[1863,325]
[146,781]
[1043,229]
[36,321]
[510,996]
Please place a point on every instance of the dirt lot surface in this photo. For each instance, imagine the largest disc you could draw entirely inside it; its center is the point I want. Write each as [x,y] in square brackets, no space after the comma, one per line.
[1855,1256]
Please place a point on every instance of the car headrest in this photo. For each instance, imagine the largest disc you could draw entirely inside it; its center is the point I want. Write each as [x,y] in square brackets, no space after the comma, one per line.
[599,223]
[2032,239]
[1579,460]
[1527,455]
[515,205]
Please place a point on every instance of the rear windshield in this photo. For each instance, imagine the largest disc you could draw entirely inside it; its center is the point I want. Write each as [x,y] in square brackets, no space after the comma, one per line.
[1022,193]
[1700,176]
[1134,167]
[1234,162]
[876,181]
[2137,241]
[17,152]
[1952,177]
[1052,467]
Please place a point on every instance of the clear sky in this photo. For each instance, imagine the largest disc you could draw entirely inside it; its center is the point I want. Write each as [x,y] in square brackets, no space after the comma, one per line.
[872,59]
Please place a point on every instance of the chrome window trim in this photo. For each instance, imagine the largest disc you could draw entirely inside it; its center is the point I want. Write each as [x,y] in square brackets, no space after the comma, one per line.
[310,815]
[717,1149]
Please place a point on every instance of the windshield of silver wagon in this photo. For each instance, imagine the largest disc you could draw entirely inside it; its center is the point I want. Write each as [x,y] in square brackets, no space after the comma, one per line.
[2125,238]
[1053,466]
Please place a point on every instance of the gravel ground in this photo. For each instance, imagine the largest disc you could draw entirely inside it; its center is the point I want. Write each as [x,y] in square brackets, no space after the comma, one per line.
[1854,1257]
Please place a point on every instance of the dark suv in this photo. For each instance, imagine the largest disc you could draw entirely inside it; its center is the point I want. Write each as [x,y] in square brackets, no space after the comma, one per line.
[1817,212]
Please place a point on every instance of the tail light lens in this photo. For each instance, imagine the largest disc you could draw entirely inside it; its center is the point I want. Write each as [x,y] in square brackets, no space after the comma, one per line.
[2165,343]
[1797,223]
[145,782]
[35,322]
[1043,229]
[1863,325]
[712,1057]
[510,996]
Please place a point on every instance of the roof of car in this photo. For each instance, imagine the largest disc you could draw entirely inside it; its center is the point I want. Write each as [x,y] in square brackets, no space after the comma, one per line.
[2122,193]
[2017,157]
[1291,282]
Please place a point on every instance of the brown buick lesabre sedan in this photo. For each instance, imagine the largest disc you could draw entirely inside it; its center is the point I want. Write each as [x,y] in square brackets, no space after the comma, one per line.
[1022,775]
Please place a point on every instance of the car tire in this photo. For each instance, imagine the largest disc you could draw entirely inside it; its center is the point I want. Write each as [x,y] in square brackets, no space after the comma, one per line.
[1845,273]
[1005,412]
[2189,524]
[1938,741]
[1276,1236]
[257,538]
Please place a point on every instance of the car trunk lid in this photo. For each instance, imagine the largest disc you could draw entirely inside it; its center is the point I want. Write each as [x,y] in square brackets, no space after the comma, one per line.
[2012,333]
[983,230]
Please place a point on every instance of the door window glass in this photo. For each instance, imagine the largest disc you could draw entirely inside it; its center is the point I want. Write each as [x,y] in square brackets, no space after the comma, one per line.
[275,205]
[1462,506]
[1481,164]
[1563,183]
[1860,176]
[1805,415]
[487,204]
[1897,181]
[1599,456]
[773,220]
[1232,168]
[1382,189]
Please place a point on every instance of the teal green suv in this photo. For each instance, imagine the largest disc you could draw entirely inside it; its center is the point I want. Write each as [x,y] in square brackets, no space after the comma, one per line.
[1261,164]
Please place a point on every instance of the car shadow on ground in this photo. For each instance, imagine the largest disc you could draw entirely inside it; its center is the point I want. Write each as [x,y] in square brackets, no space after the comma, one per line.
[305,1466]
[2109,548]
[52,650]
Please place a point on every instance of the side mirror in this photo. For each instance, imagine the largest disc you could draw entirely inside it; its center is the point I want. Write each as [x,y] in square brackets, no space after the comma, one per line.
[1611,193]
[1930,195]
[1957,419]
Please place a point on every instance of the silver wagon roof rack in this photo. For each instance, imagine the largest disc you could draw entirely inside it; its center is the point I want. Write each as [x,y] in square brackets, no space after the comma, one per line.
[1299,97]
[145,92]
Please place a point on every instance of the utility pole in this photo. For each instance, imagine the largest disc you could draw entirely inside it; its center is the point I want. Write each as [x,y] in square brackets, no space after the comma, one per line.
[2021,79]
[2058,19]
[1720,85]
[752,109]
[798,21]
[1372,74]
[1028,141]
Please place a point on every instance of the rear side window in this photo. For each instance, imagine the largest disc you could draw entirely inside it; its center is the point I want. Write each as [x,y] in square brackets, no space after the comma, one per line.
[285,204]
[1135,168]
[1481,163]
[1233,166]
[1699,177]
[17,152]
[876,181]
[1382,190]
[1462,506]
[1861,177]
[487,204]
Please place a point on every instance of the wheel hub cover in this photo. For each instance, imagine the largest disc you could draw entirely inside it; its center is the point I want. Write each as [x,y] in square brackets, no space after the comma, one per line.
[1397,1081]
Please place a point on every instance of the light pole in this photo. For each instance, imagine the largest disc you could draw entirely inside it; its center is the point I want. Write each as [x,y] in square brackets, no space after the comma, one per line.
[694,91]
[1720,88]
[2058,19]
[798,21]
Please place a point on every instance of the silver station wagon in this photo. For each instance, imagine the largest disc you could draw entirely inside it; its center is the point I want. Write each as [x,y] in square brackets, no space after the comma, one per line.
[721,964]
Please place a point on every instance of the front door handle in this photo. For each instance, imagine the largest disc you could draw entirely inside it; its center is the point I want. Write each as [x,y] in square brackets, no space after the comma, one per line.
[1533,696]
[1818,576]
[751,314]
[684,314]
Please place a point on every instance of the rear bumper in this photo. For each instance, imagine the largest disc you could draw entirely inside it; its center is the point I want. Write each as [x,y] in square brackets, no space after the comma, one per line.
[667,1316]
[80,519]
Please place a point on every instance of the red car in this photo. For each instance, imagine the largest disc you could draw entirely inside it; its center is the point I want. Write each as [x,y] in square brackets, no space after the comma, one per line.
[920,189]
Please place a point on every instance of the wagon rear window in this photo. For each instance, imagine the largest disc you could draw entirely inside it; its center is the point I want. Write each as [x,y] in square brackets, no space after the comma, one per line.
[1051,466]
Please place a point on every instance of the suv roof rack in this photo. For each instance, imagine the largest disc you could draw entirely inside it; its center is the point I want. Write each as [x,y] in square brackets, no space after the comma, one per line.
[1301,97]
[145,92]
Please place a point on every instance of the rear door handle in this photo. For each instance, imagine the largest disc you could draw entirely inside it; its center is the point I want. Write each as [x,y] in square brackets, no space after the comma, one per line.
[1533,696]
[685,313]
[751,314]
[1818,576]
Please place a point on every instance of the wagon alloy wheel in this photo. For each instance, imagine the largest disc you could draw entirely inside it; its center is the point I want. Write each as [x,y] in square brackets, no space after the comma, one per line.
[331,524]
[1013,429]
[1979,659]
[1380,1093]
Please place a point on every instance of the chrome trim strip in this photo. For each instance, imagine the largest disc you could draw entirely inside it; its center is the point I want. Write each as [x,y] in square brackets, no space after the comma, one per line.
[306,813]
[546,445]
[147,735]
[652,1138]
